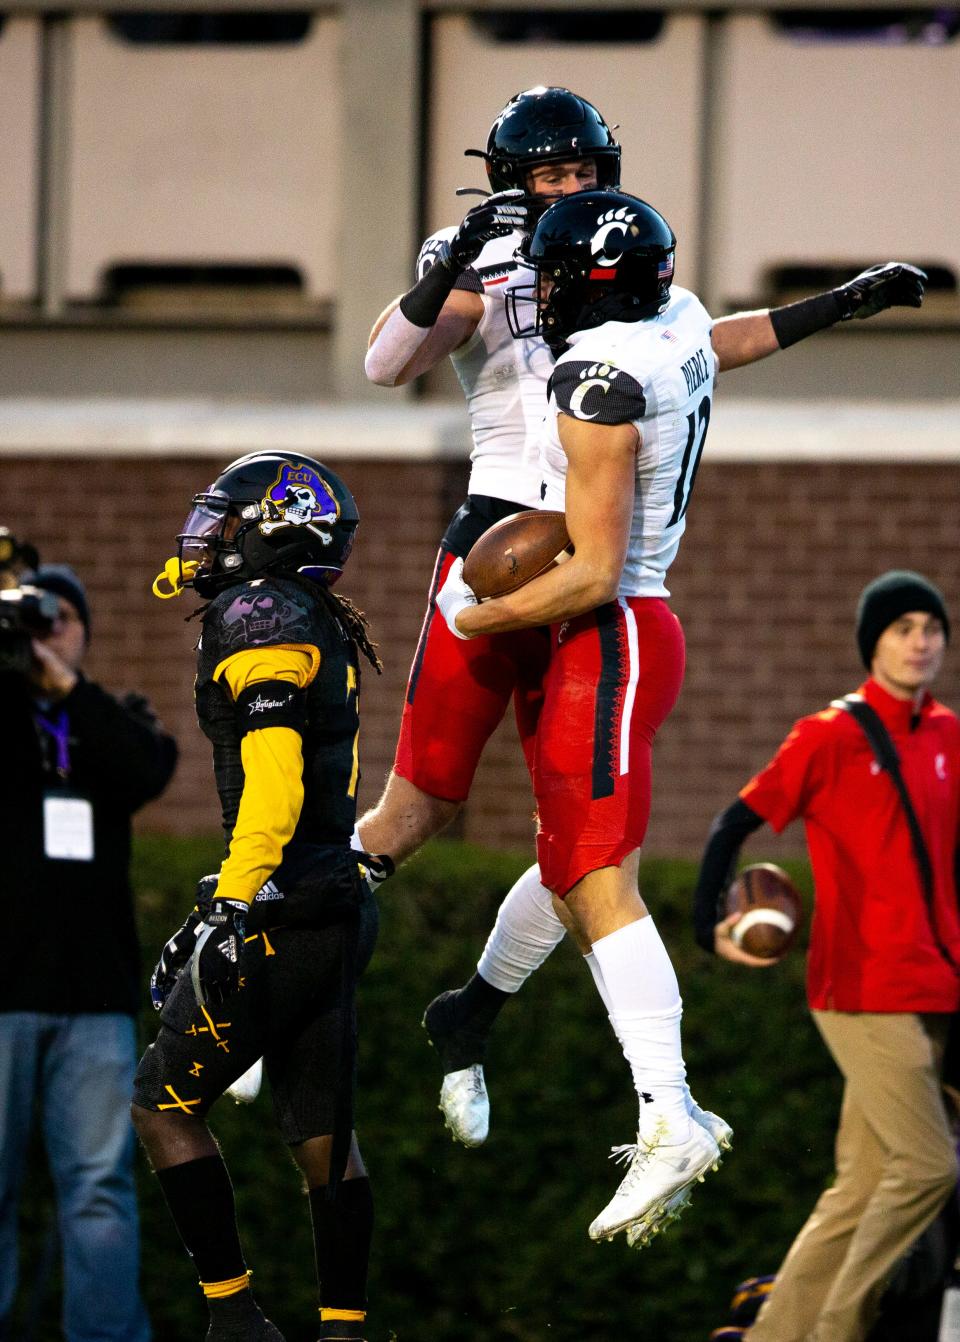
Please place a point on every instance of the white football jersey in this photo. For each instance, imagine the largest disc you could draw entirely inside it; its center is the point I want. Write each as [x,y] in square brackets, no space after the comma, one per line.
[657,374]
[504,380]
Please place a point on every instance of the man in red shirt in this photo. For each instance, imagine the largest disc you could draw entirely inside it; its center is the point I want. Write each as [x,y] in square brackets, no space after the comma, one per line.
[883,972]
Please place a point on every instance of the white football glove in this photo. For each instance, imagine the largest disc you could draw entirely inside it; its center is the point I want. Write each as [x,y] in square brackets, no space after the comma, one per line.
[455,596]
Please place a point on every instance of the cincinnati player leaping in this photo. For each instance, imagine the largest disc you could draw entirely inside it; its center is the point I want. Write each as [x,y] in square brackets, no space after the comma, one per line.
[547,143]
[629,407]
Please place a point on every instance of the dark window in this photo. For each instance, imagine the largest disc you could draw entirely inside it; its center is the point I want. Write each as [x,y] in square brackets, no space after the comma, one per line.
[888,27]
[589,25]
[796,279]
[239,28]
[121,281]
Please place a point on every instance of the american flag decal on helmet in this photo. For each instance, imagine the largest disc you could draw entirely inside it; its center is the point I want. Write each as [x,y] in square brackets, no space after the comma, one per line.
[665,268]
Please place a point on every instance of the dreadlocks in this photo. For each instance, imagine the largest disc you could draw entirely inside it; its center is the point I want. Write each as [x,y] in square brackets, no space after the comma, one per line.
[355,621]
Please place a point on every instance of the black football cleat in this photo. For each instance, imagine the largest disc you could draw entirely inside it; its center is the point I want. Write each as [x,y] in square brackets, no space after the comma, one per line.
[464,1102]
[342,1330]
[255,1328]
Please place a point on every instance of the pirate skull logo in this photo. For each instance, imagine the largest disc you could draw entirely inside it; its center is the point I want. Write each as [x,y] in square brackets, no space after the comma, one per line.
[299,497]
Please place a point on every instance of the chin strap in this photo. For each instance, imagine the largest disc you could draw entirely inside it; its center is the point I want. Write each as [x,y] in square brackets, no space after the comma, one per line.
[170,582]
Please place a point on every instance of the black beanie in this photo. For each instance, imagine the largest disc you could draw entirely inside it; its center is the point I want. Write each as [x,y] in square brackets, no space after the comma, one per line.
[887,598]
[62,581]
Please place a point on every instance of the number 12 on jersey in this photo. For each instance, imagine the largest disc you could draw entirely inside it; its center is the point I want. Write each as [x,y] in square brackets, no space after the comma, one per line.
[698,421]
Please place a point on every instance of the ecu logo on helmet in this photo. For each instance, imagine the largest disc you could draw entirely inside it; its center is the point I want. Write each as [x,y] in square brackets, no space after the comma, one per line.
[299,497]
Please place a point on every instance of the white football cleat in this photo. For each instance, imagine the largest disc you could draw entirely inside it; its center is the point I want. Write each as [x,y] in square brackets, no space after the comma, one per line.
[246,1088]
[465,1105]
[718,1128]
[658,1175]
[641,1233]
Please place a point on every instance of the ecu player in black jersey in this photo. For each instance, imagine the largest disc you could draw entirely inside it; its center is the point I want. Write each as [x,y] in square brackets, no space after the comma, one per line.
[267,962]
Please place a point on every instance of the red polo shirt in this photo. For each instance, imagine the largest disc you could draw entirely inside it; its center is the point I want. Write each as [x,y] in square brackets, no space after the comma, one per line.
[871,944]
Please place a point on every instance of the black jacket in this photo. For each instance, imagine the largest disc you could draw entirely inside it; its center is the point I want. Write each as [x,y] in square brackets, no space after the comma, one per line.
[68,940]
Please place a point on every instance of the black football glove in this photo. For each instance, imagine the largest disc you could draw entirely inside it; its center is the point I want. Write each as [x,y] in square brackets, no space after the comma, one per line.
[173,957]
[216,962]
[894,284]
[498,216]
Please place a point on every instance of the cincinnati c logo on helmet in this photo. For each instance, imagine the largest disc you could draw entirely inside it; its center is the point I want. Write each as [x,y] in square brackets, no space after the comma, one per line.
[613,224]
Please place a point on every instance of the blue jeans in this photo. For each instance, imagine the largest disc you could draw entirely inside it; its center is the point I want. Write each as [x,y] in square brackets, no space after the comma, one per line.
[79,1069]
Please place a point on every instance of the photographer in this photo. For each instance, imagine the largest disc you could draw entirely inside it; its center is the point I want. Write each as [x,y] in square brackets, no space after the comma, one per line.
[77,764]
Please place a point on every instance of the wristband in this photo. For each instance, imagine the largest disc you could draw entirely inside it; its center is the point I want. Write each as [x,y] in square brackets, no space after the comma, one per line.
[421,304]
[796,321]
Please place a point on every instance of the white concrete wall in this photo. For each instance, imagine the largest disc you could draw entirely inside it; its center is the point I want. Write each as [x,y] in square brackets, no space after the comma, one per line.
[19,108]
[833,152]
[204,154]
[653,89]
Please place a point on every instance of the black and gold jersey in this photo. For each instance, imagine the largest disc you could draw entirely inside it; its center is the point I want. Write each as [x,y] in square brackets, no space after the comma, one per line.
[283,613]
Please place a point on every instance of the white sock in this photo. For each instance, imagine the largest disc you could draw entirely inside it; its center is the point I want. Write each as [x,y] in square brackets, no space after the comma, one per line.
[591,963]
[526,931]
[590,960]
[645,1011]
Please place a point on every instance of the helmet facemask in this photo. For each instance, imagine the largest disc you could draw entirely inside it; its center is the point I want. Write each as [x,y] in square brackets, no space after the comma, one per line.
[210,546]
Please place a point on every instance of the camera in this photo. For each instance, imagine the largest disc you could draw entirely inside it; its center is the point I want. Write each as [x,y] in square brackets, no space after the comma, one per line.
[16,558]
[25,613]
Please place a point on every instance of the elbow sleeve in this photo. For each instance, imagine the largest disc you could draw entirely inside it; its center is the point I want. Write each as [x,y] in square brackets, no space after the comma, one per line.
[727,834]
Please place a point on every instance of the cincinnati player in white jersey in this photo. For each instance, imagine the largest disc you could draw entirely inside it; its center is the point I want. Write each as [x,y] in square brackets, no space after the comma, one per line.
[629,408]
[456,308]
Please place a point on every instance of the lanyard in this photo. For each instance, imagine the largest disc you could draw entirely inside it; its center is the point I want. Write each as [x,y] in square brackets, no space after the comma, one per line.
[59,729]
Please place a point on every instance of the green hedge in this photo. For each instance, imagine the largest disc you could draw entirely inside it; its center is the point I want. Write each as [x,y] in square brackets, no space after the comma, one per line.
[492,1242]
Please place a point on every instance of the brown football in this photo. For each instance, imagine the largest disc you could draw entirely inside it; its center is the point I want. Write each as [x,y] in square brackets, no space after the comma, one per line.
[516,550]
[771,907]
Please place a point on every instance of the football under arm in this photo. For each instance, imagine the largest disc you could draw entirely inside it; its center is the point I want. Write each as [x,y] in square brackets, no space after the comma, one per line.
[601,479]
[272,759]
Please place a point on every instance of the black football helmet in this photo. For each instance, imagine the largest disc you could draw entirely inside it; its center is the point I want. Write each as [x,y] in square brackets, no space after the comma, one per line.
[608,256]
[268,512]
[547,125]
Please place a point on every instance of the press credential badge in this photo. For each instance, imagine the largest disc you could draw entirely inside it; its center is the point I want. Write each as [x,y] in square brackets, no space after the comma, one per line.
[67,827]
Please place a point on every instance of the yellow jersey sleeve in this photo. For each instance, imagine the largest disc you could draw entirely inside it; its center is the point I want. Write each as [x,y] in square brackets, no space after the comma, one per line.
[273,771]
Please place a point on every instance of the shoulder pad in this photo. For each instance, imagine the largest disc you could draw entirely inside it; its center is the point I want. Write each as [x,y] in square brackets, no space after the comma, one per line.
[599,392]
[497,262]
[259,614]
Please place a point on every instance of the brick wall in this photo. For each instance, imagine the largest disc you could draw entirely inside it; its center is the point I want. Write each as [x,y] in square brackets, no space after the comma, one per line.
[766,584]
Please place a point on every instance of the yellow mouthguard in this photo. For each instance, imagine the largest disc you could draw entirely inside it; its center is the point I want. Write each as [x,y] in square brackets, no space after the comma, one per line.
[171,576]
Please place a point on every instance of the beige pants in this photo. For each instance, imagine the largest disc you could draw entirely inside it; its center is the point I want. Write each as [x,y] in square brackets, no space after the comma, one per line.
[896,1165]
